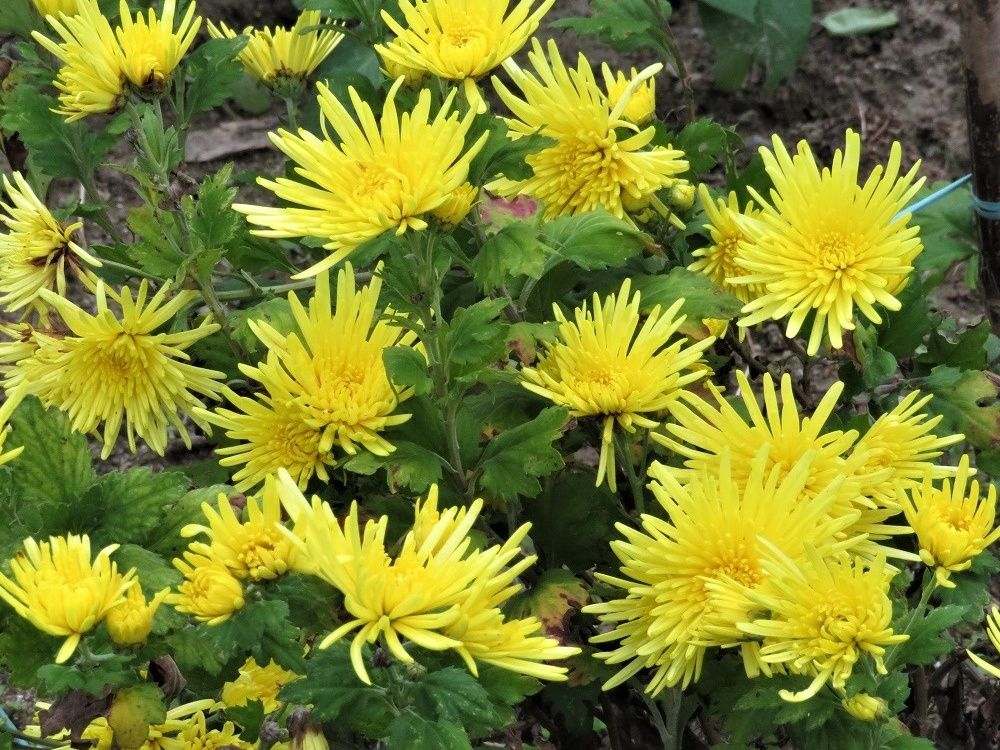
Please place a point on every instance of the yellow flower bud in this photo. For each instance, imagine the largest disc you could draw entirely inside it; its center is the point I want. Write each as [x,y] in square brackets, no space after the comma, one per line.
[641,107]
[131,621]
[210,592]
[682,195]
[865,707]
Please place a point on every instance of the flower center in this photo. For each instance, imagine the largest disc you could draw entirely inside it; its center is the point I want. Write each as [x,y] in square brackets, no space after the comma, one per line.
[835,252]
[377,181]
[957,519]
[463,34]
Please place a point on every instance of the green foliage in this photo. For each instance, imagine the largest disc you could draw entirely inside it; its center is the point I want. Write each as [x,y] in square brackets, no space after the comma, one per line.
[593,241]
[212,73]
[775,37]
[513,461]
[927,640]
[702,298]
[626,26]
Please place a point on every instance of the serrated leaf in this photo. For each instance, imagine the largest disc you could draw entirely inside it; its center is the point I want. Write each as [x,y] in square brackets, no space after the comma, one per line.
[262,628]
[186,510]
[594,241]
[335,693]
[454,695]
[776,38]
[591,513]
[928,637]
[193,651]
[512,462]
[515,250]
[212,72]
[129,506]
[210,217]
[702,298]
[948,233]
[702,142]
[625,25]
[877,365]
[502,155]
[55,468]
[276,312]
[407,367]
[858,21]
[114,671]
[967,401]
[903,331]
[553,599]
[157,251]
[474,338]
[968,352]
[409,731]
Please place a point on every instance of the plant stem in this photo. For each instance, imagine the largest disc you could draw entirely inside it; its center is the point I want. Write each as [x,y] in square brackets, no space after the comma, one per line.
[293,113]
[259,291]
[674,53]
[634,480]
[132,270]
[928,587]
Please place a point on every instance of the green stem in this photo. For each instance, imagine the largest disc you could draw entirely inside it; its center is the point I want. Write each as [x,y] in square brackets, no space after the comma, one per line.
[27,741]
[634,480]
[260,291]
[293,113]
[928,587]
[132,270]
[673,52]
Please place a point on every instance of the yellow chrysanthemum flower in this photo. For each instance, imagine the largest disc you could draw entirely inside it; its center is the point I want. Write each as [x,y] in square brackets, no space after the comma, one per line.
[254,548]
[670,616]
[257,683]
[823,615]
[60,590]
[282,53]
[112,368]
[993,632]
[904,442]
[91,80]
[37,249]
[195,735]
[210,592]
[828,245]
[726,226]
[55,7]
[271,432]
[703,432]
[460,40]
[369,176]
[641,107]
[435,591]
[953,525]
[457,206]
[605,365]
[590,166]
[412,77]
[327,382]
[151,47]
[131,622]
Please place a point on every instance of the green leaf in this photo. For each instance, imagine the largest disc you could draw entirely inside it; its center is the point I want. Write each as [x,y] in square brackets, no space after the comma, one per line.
[948,232]
[502,155]
[186,510]
[407,367]
[877,365]
[24,649]
[776,38]
[515,250]
[213,72]
[702,142]
[210,217]
[928,636]
[454,695]
[553,599]
[55,467]
[903,331]
[594,241]
[513,461]
[250,716]
[335,693]
[573,502]
[702,298]
[130,506]
[968,352]
[743,9]
[157,251]
[57,148]
[624,25]
[276,312]
[409,731]
[132,711]
[114,671]
[193,651]
[857,21]
[474,338]
[967,401]
[263,628]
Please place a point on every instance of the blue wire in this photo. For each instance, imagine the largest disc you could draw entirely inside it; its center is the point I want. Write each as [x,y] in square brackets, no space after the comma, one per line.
[986,209]
[5,719]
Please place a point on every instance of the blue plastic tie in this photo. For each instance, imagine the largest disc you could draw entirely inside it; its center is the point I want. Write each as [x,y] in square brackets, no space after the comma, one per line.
[5,719]
[987,209]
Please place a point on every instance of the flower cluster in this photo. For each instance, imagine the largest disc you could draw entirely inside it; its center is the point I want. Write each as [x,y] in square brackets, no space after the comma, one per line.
[793,570]
[437,591]
[102,66]
[325,386]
